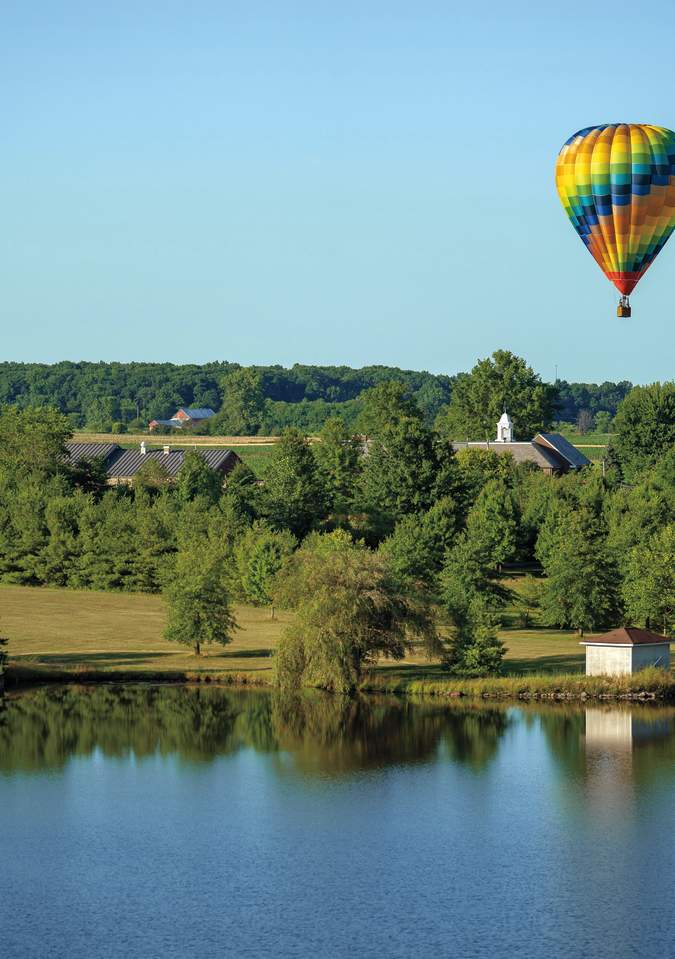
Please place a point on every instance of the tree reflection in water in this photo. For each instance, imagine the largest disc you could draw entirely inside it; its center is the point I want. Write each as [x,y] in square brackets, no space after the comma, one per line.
[324,734]
[317,733]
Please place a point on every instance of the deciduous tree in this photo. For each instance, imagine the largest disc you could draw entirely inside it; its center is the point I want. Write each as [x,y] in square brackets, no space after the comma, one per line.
[649,584]
[645,428]
[338,455]
[243,407]
[197,479]
[479,398]
[294,496]
[198,606]
[582,583]
[259,555]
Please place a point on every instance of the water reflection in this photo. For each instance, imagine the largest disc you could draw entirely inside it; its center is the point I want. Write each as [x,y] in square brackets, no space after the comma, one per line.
[622,748]
[605,749]
[43,728]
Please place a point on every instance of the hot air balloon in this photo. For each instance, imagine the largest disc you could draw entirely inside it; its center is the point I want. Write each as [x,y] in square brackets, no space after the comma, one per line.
[616,182]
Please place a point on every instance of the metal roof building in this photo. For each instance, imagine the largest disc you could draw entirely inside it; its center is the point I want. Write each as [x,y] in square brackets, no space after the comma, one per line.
[123,464]
[551,452]
[124,467]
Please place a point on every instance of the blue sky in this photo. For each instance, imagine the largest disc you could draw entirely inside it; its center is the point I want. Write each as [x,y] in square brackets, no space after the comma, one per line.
[357,183]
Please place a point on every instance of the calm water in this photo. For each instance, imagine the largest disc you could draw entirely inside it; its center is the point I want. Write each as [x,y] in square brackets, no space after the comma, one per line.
[143,822]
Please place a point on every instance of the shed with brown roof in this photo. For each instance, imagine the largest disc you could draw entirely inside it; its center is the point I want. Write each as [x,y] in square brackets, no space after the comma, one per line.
[626,650]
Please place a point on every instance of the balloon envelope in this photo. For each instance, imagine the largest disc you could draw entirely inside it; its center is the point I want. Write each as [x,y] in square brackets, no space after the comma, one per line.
[616,182]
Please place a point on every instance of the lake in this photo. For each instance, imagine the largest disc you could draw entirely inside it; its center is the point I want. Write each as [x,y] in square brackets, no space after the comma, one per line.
[197,822]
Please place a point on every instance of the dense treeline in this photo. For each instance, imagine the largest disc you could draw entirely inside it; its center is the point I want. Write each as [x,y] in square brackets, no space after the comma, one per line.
[126,396]
[574,399]
[374,545]
[96,395]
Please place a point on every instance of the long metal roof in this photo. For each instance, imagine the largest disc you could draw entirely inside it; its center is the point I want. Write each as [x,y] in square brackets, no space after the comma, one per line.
[91,451]
[131,461]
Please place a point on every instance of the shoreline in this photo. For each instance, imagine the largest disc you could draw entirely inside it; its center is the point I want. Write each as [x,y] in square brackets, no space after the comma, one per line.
[650,685]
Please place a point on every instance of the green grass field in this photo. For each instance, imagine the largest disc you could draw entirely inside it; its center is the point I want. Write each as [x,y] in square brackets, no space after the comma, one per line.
[70,629]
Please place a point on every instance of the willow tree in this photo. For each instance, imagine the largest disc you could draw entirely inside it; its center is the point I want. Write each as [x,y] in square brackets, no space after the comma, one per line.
[350,610]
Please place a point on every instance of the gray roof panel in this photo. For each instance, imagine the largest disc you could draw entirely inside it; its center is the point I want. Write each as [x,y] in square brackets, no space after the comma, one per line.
[565,449]
[91,451]
[198,413]
[129,463]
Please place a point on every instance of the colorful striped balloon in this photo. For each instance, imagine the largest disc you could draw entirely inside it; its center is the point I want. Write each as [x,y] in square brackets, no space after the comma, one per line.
[617,185]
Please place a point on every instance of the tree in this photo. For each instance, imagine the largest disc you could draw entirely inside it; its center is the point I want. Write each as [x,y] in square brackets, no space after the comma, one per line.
[406,469]
[468,577]
[102,412]
[475,467]
[350,610]
[196,478]
[242,491]
[243,407]
[491,525]
[259,555]
[33,440]
[503,381]
[416,548]
[635,513]
[584,421]
[582,583]
[411,551]
[603,421]
[649,584]
[645,428]
[384,406]
[475,649]
[293,496]
[62,549]
[198,607]
[151,477]
[529,596]
[338,455]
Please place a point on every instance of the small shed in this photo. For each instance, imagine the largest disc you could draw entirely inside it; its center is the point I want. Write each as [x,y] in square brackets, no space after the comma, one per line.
[626,650]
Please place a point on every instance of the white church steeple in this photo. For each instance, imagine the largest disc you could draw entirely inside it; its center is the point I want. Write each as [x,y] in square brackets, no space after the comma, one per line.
[505,429]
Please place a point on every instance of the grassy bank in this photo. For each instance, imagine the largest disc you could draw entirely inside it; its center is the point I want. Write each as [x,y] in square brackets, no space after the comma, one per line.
[649,684]
[59,635]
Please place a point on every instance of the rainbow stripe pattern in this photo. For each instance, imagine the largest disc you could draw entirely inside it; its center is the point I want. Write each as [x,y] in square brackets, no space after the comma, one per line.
[616,183]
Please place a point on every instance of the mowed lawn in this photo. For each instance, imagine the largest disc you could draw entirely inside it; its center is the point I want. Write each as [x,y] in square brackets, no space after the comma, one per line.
[72,628]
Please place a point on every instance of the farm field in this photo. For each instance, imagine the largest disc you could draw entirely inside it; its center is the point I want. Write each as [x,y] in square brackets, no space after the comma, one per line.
[592,445]
[70,629]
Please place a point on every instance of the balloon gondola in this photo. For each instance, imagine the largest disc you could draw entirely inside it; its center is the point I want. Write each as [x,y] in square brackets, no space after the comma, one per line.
[616,183]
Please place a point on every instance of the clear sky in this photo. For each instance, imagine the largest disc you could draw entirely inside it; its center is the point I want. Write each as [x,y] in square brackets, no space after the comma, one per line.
[347,182]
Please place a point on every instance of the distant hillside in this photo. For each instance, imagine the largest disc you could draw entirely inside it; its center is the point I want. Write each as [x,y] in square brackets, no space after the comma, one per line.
[98,395]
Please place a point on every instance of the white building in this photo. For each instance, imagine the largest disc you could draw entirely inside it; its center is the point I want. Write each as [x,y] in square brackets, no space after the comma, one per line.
[626,650]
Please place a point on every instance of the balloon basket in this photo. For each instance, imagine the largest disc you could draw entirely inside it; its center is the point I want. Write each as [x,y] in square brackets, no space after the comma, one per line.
[623,310]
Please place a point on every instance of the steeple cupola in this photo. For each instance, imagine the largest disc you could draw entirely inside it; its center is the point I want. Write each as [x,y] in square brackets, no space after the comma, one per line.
[505,429]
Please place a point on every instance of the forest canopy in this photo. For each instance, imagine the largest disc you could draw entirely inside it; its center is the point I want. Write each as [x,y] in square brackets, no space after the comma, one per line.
[117,397]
